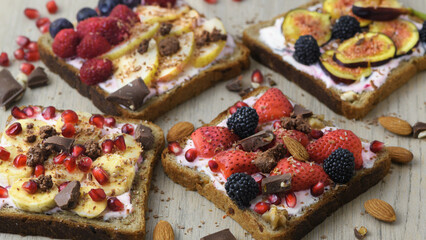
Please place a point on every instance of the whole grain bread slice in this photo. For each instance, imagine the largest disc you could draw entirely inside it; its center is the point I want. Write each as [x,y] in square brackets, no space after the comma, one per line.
[329,96]
[296,227]
[71,226]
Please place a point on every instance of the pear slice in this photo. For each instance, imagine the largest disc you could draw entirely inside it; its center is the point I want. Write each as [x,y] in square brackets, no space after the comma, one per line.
[151,14]
[207,53]
[185,24]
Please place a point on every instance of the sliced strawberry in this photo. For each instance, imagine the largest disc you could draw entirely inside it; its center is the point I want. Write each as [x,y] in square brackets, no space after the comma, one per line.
[297,135]
[272,105]
[236,161]
[211,140]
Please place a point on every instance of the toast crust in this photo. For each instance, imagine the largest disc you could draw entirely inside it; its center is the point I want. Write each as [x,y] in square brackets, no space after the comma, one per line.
[252,222]
[70,226]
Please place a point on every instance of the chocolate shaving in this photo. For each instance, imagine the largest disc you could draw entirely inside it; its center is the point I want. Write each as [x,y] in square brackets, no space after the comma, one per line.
[36,155]
[206,37]
[257,140]
[244,92]
[235,85]
[418,128]
[132,95]
[165,28]
[299,110]
[266,161]
[37,78]
[143,134]
[44,183]
[46,132]
[296,123]
[221,235]
[68,197]
[92,149]
[59,144]
[10,89]
[169,46]
[31,138]
[143,47]
[276,184]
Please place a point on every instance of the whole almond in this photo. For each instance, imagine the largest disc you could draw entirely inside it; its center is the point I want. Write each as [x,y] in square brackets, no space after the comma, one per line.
[179,130]
[296,149]
[163,231]
[380,210]
[399,154]
[396,125]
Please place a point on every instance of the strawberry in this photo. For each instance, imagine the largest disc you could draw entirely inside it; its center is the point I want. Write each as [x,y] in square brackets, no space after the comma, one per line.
[124,13]
[65,43]
[272,105]
[111,28]
[92,46]
[95,71]
[320,150]
[297,135]
[236,161]
[210,140]
[304,175]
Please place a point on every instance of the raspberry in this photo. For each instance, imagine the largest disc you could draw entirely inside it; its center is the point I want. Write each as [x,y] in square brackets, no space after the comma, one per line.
[65,43]
[112,29]
[95,71]
[124,13]
[92,45]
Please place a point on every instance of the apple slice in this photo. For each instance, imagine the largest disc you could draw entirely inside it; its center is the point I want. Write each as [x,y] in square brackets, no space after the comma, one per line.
[138,33]
[378,10]
[151,14]
[403,33]
[134,65]
[338,8]
[185,24]
[364,50]
[171,66]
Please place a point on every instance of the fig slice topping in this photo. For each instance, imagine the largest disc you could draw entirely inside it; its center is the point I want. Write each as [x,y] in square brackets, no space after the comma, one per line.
[378,10]
[339,8]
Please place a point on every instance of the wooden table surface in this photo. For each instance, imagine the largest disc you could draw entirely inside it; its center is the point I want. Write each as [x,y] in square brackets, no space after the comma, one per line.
[191,215]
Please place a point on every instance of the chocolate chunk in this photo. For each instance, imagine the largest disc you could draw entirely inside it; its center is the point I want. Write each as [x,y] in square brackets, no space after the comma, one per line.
[44,183]
[272,83]
[266,161]
[257,140]
[36,155]
[143,47]
[143,134]
[165,28]
[216,35]
[169,46]
[10,89]
[299,110]
[31,138]
[235,85]
[68,197]
[37,78]
[46,132]
[131,95]
[60,144]
[221,235]
[203,39]
[30,125]
[296,123]
[244,92]
[92,149]
[276,184]
[418,128]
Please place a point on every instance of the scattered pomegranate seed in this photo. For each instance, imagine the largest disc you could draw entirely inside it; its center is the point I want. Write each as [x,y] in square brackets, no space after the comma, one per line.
[84,164]
[376,146]
[291,199]
[4,59]
[277,124]
[18,113]
[22,41]
[211,1]
[51,7]
[232,110]
[41,21]
[241,104]
[59,159]
[32,56]
[44,28]
[120,143]
[49,113]
[14,129]
[97,120]
[175,148]
[69,116]
[70,163]
[4,154]
[317,189]
[77,150]
[26,68]
[38,170]
[316,133]
[19,54]
[262,207]
[128,129]
[20,161]
[191,154]
[213,165]
[274,199]
[62,186]
[3,192]
[107,146]
[32,47]
[68,130]
[31,13]
[100,175]
[30,187]
[114,204]
[97,194]
[257,76]
[258,177]
[109,122]
[29,111]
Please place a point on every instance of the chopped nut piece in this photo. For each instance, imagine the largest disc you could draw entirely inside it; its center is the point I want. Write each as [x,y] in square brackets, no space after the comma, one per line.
[360,233]
[349,96]
[275,217]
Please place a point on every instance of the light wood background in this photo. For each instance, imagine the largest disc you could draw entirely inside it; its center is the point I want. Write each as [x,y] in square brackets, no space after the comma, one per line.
[191,215]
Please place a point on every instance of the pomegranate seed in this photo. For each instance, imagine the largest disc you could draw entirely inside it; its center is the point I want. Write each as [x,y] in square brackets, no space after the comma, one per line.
[97,194]
[107,146]
[175,148]
[100,175]
[69,116]
[262,207]
[232,110]
[26,68]
[3,192]
[19,54]
[77,150]
[127,128]
[22,41]
[29,111]
[44,28]
[213,166]
[20,161]
[4,154]
[62,186]
[257,76]
[84,164]
[32,47]
[258,177]
[41,21]
[32,56]
[70,163]
[51,7]
[68,130]
[317,189]
[109,122]
[31,13]
[291,199]
[30,187]
[39,170]
[316,133]
[211,1]
[14,129]
[115,205]
[59,159]
[49,113]
[241,104]
[4,59]
[120,143]
[377,146]
[97,120]
[191,154]
[277,124]
[274,199]
[18,113]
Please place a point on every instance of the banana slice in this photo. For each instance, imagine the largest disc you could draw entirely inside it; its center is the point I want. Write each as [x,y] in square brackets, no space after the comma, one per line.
[60,173]
[37,202]
[8,172]
[87,207]
[20,139]
[151,14]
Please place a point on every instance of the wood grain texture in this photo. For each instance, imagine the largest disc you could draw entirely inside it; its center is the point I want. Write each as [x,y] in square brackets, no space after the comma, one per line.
[191,215]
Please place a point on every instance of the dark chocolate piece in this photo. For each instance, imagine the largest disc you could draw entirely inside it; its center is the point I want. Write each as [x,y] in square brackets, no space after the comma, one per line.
[131,95]
[418,128]
[244,92]
[276,184]
[143,134]
[257,140]
[221,235]
[143,47]
[92,149]
[37,78]
[60,144]
[68,197]
[44,183]
[168,46]
[235,85]
[266,161]
[165,28]
[296,123]
[299,110]
[10,89]
[36,155]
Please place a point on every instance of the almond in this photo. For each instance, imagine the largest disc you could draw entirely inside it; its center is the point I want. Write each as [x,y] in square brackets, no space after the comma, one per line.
[396,125]
[399,154]
[179,130]
[380,210]
[296,149]
[163,231]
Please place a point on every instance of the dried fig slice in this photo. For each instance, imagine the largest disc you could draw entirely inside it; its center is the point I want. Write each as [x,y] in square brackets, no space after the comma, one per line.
[378,10]
[338,8]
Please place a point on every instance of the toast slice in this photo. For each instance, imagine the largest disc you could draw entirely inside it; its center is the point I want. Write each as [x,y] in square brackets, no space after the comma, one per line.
[199,178]
[70,224]
[351,106]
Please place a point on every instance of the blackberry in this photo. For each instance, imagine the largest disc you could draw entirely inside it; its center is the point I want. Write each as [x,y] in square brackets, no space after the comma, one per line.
[340,165]
[243,122]
[422,33]
[86,13]
[59,24]
[105,6]
[306,50]
[241,188]
[346,27]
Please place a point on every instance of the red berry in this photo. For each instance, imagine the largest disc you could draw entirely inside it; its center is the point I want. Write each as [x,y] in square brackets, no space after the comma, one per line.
[272,105]
[107,146]
[92,45]
[19,54]
[22,41]
[84,164]
[262,207]
[95,71]
[211,1]
[29,111]
[41,21]
[4,154]
[44,28]
[4,59]
[124,13]
[14,129]
[175,148]
[191,155]
[162,3]
[211,140]
[97,120]
[31,13]
[232,110]
[100,175]
[241,104]
[62,186]
[3,192]
[38,170]
[115,205]
[317,189]
[97,194]
[51,6]
[112,29]
[315,134]
[214,167]
[49,113]
[109,122]
[120,143]
[290,199]
[274,199]
[257,76]
[377,146]
[65,43]
[77,150]
[32,56]
[20,161]
[277,124]
[68,130]
[128,129]
[59,159]
[69,116]
[258,177]
[70,163]
[26,68]
[18,113]
[30,187]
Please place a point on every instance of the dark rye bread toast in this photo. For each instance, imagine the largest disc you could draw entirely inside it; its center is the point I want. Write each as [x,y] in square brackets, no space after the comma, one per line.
[71,226]
[330,96]
[222,70]
[296,227]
